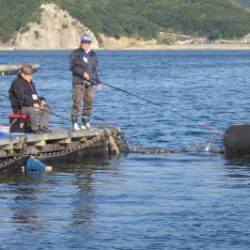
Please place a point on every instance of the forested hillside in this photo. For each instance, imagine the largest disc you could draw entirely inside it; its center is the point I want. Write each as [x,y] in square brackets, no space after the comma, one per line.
[141,18]
[15,14]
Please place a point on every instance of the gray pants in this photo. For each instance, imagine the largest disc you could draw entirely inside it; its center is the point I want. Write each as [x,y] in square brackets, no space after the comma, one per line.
[37,117]
[82,97]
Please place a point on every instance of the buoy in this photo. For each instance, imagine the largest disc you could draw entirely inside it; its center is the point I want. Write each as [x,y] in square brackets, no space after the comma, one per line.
[237,140]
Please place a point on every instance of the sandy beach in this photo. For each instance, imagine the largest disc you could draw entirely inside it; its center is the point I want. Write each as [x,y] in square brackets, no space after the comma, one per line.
[160,47]
[210,47]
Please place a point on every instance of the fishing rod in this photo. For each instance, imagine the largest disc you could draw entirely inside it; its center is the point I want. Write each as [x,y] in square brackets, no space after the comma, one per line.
[95,123]
[138,97]
[50,112]
[96,81]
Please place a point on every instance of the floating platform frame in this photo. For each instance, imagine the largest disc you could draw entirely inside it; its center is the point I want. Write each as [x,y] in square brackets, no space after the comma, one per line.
[60,145]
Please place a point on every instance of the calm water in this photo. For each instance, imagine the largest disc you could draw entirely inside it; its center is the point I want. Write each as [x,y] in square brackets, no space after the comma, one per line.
[196,200]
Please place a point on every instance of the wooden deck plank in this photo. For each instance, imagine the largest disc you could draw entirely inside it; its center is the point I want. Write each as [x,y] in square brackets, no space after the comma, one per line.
[11,140]
[58,139]
[56,134]
[80,133]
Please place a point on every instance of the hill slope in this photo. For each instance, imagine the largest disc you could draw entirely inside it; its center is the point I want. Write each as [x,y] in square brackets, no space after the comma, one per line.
[141,18]
[53,31]
[145,18]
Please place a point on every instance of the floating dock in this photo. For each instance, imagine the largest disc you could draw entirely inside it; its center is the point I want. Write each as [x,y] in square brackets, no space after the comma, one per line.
[8,69]
[60,145]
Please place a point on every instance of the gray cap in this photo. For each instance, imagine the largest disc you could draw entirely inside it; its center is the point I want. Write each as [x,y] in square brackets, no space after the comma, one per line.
[86,38]
[26,69]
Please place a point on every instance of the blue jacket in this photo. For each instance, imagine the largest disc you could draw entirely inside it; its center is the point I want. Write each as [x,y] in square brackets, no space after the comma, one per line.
[81,62]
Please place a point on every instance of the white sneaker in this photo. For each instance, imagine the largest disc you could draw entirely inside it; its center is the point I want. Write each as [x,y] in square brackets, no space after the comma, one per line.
[75,126]
[85,126]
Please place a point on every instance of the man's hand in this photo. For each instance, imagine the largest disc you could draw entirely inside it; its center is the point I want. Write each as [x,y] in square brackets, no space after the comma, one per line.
[43,103]
[98,86]
[86,76]
[36,106]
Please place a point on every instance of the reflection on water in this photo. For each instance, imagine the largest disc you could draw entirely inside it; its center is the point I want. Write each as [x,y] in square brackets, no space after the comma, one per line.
[98,203]
[238,170]
[23,192]
[35,199]
[239,163]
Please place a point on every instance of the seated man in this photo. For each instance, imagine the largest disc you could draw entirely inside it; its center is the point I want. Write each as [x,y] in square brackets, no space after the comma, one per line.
[24,99]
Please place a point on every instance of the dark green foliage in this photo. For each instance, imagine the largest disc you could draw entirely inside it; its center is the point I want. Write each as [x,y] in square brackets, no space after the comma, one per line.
[15,15]
[142,18]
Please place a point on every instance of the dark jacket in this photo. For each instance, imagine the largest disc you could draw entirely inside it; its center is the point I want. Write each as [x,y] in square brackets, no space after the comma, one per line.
[79,65]
[20,94]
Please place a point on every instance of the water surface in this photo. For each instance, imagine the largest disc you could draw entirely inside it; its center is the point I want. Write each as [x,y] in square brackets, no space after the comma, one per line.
[194,200]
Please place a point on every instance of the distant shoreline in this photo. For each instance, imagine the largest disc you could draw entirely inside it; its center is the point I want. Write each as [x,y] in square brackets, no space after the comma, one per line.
[211,47]
[156,47]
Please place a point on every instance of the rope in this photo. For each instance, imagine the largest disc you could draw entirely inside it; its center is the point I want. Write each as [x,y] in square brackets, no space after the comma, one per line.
[208,126]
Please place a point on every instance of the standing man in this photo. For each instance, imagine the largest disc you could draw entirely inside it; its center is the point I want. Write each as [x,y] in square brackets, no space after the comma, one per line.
[83,64]
[24,99]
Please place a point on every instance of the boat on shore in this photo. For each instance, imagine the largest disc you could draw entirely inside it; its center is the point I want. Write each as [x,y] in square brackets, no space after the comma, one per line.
[8,69]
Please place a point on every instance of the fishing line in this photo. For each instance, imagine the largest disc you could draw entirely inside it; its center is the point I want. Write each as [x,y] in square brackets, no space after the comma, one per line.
[139,97]
[208,126]
[159,105]
[95,123]
[47,111]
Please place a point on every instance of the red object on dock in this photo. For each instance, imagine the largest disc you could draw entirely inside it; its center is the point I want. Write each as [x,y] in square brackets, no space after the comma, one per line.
[19,123]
